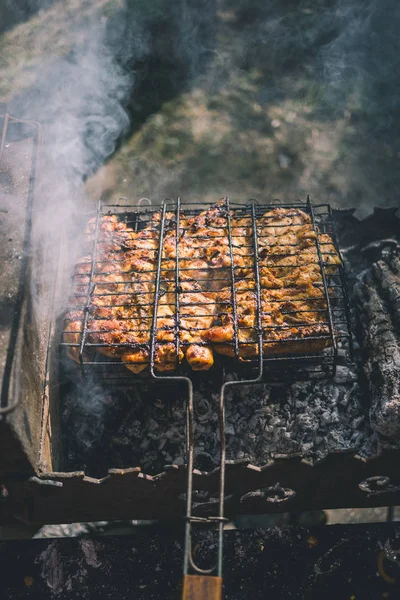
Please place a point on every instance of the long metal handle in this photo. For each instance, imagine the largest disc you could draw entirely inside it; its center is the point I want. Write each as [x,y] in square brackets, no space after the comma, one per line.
[204,584]
[199,582]
[193,584]
[219,519]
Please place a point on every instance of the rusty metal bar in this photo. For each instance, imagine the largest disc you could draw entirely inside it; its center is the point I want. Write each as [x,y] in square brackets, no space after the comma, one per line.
[5,407]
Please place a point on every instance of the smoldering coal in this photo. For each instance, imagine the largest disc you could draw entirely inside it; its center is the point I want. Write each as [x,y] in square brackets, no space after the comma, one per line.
[146,427]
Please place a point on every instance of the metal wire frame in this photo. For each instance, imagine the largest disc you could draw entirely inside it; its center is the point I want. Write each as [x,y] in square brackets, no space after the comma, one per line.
[333,293]
[34,131]
[333,307]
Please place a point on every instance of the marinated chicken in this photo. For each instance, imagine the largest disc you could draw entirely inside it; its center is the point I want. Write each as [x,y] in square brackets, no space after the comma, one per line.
[208,296]
[292,305]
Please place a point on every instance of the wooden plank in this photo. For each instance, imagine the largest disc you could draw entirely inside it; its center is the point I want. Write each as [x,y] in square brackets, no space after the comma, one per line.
[202,587]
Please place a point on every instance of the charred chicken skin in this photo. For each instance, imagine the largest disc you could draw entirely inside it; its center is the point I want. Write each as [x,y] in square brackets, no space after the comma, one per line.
[208,266]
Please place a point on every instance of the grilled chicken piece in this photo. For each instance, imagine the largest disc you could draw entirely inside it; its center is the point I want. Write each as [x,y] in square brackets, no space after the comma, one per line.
[197,311]
[210,232]
[196,306]
[211,246]
[122,296]
[112,234]
[287,317]
[109,289]
[292,302]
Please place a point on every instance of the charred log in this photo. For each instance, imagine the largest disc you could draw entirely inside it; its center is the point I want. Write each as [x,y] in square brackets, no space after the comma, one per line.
[378,297]
[388,274]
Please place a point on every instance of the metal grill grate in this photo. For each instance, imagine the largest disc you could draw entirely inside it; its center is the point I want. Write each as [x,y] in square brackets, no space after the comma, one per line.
[179,299]
[176,304]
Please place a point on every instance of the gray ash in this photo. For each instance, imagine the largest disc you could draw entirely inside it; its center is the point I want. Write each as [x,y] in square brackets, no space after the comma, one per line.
[144,425]
[312,418]
[147,429]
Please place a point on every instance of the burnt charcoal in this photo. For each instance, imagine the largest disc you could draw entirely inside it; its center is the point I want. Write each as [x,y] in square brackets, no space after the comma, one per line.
[378,302]
[143,429]
[348,226]
[375,250]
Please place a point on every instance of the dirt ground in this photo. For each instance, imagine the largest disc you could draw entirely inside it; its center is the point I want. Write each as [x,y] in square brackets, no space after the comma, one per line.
[290,103]
[257,124]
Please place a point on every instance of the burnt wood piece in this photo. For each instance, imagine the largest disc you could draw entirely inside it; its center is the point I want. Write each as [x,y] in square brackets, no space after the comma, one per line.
[388,274]
[378,299]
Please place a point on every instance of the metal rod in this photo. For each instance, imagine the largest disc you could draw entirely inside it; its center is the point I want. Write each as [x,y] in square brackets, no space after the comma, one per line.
[221,496]
[177,278]
[225,386]
[233,287]
[258,288]
[325,285]
[153,333]
[187,554]
[4,134]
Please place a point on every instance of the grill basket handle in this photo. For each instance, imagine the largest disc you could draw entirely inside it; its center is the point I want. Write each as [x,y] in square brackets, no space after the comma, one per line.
[202,587]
